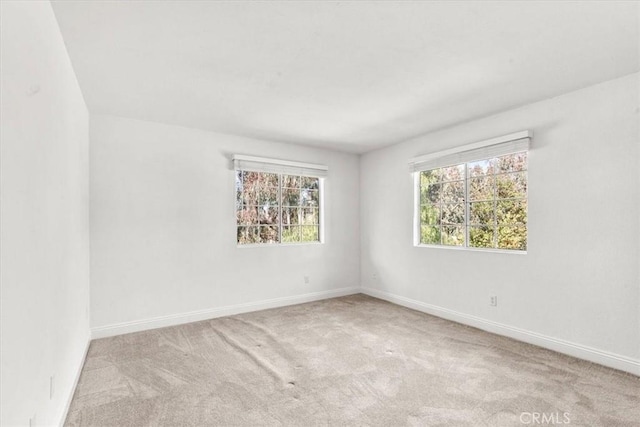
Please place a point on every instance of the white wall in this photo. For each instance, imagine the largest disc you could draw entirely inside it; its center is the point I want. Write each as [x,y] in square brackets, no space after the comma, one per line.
[45,217]
[579,280]
[163,230]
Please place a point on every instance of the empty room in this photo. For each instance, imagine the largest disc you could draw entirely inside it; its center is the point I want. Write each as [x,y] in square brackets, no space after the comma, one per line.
[332,213]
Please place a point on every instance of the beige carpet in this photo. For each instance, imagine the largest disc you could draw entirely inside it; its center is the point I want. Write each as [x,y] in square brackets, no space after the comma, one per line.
[347,361]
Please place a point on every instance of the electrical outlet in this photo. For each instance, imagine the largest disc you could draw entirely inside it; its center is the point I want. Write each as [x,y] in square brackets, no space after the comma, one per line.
[493,301]
[375,276]
[51,386]
[306,280]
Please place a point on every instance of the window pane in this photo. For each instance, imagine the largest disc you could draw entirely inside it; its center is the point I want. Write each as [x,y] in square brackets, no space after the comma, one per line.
[453,235]
[268,215]
[512,162]
[290,234]
[511,211]
[310,183]
[452,192]
[512,237]
[430,177]
[238,188]
[248,235]
[291,181]
[250,178]
[481,168]
[247,215]
[309,197]
[269,234]
[238,198]
[429,214]
[268,196]
[432,194]
[481,188]
[309,233]
[310,216]
[268,179]
[453,214]
[481,213]
[290,197]
[512,185]
[290,216]
[424,193]
[453,173]
[429,235]
[250,193]
[481,237]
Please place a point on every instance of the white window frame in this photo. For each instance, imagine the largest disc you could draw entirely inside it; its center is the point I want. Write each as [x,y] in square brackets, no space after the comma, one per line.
[283,167]
[487,149]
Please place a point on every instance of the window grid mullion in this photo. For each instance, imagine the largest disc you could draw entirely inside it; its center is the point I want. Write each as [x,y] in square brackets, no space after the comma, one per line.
[495,212]
[441,227]
[279,208]
[466,205]
[299,209]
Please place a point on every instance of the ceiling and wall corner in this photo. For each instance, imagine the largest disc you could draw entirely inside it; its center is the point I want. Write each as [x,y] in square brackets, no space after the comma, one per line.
[350,76]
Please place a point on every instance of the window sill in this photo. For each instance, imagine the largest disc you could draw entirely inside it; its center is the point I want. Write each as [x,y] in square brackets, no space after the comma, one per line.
[462,248]
[272,245]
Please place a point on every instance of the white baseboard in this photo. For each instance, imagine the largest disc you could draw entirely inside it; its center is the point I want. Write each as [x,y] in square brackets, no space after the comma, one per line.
[601,357]
[194,316]
[580,351]
[65,412]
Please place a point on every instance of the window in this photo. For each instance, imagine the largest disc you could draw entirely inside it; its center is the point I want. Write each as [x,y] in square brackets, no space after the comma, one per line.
[278,202]
[480,202]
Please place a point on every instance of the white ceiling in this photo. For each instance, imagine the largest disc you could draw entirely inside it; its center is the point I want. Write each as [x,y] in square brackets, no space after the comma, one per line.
[352,76]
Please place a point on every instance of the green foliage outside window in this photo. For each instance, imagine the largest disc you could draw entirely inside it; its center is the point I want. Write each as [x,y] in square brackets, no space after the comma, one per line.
[481,204]
[275,208]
